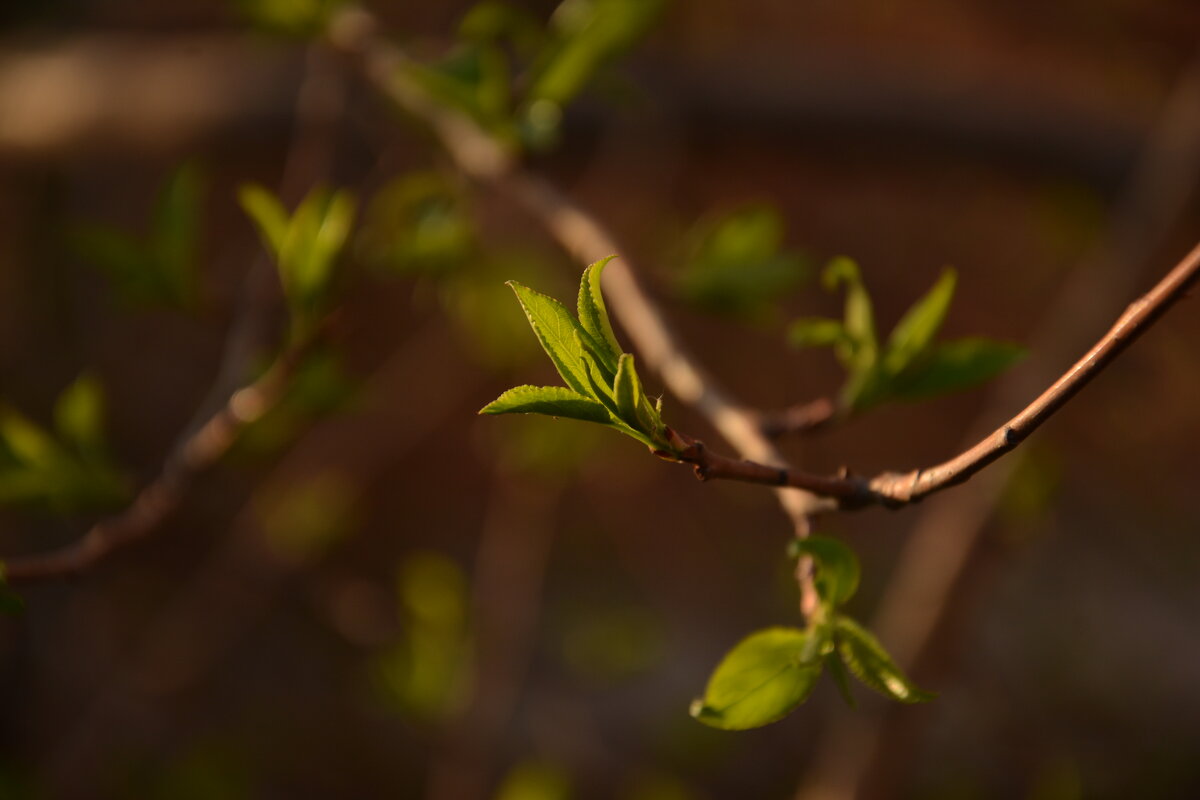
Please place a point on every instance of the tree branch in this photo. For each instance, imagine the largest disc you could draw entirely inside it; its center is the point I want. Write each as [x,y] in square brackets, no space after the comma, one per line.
[894,489]
[481,158]
[191,457]
[800,418]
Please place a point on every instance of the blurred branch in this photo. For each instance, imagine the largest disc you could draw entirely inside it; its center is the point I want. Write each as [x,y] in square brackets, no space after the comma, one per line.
[929,569]
[801,418]
[158,499]
[486,161]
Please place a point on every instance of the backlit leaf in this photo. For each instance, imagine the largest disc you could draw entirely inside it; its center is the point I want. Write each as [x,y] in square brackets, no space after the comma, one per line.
[760,680]
[915,331]
[554,401]
[864,656]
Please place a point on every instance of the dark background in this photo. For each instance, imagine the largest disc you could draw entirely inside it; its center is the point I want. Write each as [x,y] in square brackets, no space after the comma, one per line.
[261,645]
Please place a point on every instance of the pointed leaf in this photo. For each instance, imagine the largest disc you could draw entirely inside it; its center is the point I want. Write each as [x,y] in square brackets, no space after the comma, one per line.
[859,315]
[628,390]
[760,680]
[556,329]
[915,331]
[816,332]
[954,365]
[267,213]
[865,657]
[553,401]
[838,570]
[593,314]
[79,414]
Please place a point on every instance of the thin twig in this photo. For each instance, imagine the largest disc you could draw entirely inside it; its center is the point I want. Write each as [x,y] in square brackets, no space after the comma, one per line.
[894,489]
[480,157]
[928,574]
[802,418]
[159,498]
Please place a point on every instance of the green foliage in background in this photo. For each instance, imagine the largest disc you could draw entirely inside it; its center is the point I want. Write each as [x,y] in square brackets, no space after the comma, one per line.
[65,468]
[737,264]
[298,18]
[771,672]
[306,246]
[515,76]
[425,672]
[911,365]
[603,385]
[418,223]
[161,267]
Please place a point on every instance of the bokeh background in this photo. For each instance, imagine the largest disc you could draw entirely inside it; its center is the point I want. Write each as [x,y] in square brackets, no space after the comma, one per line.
[380,594]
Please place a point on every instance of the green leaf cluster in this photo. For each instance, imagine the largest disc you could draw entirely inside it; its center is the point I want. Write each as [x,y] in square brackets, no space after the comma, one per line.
[298,18]
[515,75]
[159,268]
[417,224]
[911,364]
[602,383]
[305,244]
[738,265]
[63,469]
[771,672]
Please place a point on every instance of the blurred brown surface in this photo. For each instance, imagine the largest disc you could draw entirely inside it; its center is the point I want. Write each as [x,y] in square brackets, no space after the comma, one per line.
[994,136]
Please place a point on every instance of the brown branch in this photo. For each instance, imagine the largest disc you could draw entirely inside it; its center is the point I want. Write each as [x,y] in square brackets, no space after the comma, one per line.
[480,157]
[894,489]
[158,499]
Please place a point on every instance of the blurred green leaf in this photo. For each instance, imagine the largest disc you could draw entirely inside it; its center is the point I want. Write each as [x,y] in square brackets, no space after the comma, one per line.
[299,18]
[79,415]
[912,365]
[306,245]
[958,364]
[418,223]
[817,332]
[760,680]
[586,35]
[915,331]
[865,657]
[300,521]
[838,570]
[162,268]
[859,324]
[737,265]
[535,780]
[425,672]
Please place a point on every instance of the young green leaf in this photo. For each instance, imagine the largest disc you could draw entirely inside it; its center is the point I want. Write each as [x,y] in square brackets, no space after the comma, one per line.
[593,315]
[557,330]
[79,415]
[268,215]
[915,331]
[859,320]
[628,390]
[957,364]
[817,332]
[554,401]
[761,679]
[865,657]
[838,570]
